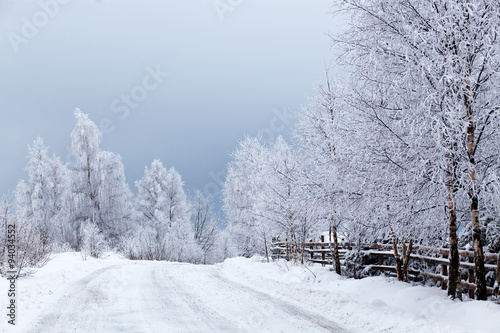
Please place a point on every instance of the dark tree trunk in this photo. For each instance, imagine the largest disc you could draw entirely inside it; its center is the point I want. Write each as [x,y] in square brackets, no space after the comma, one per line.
[497,278]
[481,291]
[453,270]
[399,269]
[287,250]
[303,250]
[265,245]
[293,243]
[336,250]
[406,258]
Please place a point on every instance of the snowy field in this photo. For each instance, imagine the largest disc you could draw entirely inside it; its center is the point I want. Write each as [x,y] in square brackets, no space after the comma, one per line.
[240,295]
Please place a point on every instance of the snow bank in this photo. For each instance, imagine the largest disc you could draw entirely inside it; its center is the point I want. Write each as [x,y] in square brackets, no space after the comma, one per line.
[38,291]
[375,304]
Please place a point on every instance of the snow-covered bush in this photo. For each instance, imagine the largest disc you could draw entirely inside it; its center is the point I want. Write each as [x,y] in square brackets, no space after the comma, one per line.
[131,248]
[32,252]
[93,242]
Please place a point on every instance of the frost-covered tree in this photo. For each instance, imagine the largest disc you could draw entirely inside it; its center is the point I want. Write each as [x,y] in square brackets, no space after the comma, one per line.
[59,176]
[223,248]
[100,192]
[181,244]
[264,199]
[31,249]
[115,207]
[151,203]
[93,242]
[43,197]
[207,226]
[85,140]
[280,197]
[427,75]
[6,215]
[240,193]
[328,180]
[32,195]
[164,211]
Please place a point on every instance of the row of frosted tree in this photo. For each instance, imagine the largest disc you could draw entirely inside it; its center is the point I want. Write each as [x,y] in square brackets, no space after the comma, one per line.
[402,146]
[89,207]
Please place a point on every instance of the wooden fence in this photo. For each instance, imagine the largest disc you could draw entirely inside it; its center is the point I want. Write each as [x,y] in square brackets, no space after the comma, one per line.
[322,253]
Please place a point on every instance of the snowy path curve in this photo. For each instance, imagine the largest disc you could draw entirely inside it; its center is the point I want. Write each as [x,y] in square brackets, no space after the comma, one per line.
[170,297]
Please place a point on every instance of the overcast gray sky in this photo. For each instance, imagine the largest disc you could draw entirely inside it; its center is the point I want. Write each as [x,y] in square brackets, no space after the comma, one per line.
[234,68]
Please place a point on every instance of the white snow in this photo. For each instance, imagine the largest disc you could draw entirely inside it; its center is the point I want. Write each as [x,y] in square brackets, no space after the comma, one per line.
[375,304]
[240,295]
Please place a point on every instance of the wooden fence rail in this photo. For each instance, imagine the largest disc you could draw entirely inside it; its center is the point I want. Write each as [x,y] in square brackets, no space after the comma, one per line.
[322,253]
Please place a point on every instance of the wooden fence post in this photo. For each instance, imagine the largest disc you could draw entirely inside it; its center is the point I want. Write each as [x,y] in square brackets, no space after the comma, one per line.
[323,252]
[497,277]
[444,272]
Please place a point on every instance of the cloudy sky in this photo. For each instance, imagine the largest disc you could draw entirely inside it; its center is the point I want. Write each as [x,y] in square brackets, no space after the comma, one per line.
[182,81]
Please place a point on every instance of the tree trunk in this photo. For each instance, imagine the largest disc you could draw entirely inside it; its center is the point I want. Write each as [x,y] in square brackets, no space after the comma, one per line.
[398,260]
[406,258]
[265,245]
[399,270]
[336,250]
[481,291]
[303,250]
[304,232]
[287,250]
[454,257]
[88,179]
[293,242]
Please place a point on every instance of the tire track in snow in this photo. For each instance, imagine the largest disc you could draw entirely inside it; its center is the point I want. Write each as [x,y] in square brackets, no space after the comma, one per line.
[196,316]
[249,309]
[81,296]
[285,306]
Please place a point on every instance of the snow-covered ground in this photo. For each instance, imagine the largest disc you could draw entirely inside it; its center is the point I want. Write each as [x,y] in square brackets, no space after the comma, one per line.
[374,304]
[240,295]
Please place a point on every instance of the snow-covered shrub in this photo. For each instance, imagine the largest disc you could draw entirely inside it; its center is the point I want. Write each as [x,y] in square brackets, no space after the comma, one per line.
[130,248]
[32,252]
[93,242]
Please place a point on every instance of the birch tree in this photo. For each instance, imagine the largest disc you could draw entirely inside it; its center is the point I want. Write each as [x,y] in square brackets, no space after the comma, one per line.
[280,195]
[327,180]
[207,226]
[43,197]
[100,193]
[151,203]
[164,210]
[181,244]
[85,141]
[240,194]
[114,197]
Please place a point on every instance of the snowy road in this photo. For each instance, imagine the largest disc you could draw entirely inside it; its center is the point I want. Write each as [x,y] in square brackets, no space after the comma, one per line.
[169,297]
